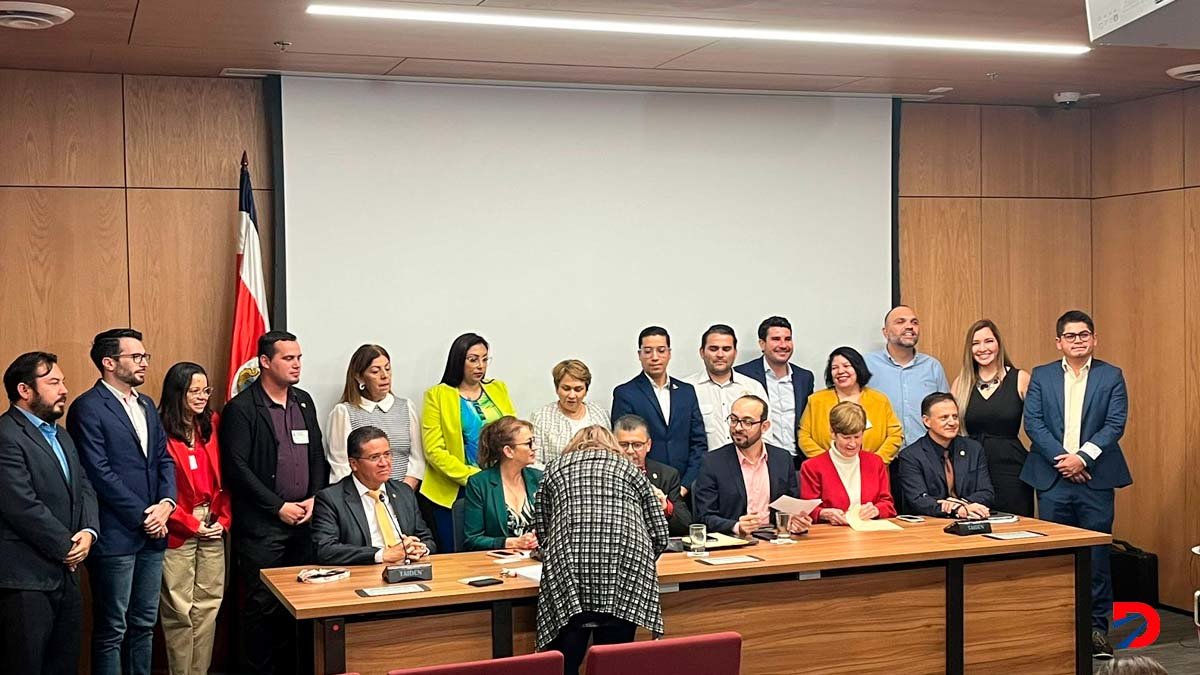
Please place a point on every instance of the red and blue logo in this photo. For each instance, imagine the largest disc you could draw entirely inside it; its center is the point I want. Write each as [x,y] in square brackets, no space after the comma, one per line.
[1126,612]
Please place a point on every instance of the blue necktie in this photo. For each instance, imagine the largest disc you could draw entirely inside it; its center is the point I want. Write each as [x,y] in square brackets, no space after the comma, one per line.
[51,434]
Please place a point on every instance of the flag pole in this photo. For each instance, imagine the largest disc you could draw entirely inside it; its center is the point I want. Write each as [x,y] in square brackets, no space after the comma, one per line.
[245,162]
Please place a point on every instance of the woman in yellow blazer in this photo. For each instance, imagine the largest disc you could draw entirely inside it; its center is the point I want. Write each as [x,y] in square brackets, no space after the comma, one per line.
[846,376]
[455,411]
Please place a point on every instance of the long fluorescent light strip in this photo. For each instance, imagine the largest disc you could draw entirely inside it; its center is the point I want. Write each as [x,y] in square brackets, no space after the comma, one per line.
[681,30]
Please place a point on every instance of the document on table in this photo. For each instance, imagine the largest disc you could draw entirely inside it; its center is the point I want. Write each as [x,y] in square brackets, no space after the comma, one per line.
[859,525]
[530,572]
[793,506]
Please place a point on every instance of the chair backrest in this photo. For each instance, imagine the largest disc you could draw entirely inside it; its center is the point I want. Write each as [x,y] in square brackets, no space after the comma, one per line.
[896,486]
[541,663]
[715,654]
[456,513]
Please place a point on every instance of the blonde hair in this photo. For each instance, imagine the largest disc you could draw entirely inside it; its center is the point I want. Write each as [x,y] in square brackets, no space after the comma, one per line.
[594,437]
[847,418]
[574,368]
[968,375]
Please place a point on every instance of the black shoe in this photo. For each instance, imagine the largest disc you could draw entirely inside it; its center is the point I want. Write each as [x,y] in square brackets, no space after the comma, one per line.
[1100,647]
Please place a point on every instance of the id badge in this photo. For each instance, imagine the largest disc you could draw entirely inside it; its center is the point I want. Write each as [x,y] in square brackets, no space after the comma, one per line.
[192,463]
[300,436]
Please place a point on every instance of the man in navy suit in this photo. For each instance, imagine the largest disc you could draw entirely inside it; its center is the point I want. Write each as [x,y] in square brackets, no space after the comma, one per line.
[943,474]
[788,386]
[739,481]
[668,405]
[123,449]
[1075,412]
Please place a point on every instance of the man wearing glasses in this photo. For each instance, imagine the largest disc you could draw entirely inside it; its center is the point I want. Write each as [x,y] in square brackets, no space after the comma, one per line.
[1075,414]
[739,481]
[123,448]
[634,439]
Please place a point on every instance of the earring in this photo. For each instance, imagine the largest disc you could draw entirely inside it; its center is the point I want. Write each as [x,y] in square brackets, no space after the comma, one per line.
[362,387]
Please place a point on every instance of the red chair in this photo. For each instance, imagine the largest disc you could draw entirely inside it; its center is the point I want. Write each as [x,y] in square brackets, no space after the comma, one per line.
[541,663]
[715,654]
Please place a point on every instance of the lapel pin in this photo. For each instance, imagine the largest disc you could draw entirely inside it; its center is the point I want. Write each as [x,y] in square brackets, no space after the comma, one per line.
[962,453]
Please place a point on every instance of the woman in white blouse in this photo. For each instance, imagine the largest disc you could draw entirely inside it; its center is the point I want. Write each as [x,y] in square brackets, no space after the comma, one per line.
[555,424]
[849,482]
[367,400]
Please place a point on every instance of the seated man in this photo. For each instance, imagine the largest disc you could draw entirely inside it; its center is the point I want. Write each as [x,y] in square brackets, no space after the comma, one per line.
[633,436]
[366,502]
[944,474]
[738,482]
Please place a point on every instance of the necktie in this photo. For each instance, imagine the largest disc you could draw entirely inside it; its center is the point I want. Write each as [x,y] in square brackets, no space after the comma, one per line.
[949,473]
[51,434]
[390,536]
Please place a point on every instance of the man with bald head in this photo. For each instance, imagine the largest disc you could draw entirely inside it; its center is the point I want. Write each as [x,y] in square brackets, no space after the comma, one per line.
[903,374]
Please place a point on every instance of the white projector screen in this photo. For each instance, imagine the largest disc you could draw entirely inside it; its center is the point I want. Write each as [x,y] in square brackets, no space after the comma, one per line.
[559,222]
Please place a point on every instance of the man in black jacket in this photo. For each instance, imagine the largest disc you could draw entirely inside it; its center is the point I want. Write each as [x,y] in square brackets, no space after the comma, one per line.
[48,522]
[634,438]
[943,474]
[274,463]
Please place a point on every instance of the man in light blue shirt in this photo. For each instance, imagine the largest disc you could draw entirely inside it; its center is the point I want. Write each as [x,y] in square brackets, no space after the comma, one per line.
[903,374]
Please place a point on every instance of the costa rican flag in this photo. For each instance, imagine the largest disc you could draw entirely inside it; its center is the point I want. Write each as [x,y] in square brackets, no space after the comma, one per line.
[250,313]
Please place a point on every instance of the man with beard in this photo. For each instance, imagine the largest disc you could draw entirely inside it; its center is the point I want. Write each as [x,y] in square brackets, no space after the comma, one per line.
[48,522]
[274,463]
[718,385]
[123,448]
[903,374]
[739,481]
[788,386]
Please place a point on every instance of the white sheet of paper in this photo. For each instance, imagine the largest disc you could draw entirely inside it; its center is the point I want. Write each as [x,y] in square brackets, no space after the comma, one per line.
[730,560]
[793,506]
[521,556]
[859,525]
[531,572]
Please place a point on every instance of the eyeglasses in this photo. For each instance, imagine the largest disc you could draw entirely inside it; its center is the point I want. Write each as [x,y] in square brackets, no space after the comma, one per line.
[531,443]
[377,458]
[207,391]
[136,358]
[472,359]
[1076,337]
[650,351]
[636,446]
[746,422]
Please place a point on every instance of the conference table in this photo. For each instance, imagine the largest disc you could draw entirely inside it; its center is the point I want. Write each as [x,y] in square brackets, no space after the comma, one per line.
[917,600]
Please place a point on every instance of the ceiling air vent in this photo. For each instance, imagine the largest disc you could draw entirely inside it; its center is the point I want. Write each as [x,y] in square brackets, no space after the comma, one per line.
[32,15]
[1189,73]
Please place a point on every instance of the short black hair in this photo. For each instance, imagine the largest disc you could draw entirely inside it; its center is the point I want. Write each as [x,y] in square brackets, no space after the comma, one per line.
[934,399]
[1073,316]
[107,345]
[717,329]
[26,369]
[765,409]
[266,343]
[772,322]
[856,362]
[653,330]
[456,360]
[360,437]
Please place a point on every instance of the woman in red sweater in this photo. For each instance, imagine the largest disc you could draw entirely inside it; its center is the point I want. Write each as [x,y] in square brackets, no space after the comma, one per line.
[193,581]
[846,480]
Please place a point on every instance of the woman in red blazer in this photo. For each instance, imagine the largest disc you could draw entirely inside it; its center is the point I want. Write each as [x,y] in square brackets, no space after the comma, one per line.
[845,477]
[194,565]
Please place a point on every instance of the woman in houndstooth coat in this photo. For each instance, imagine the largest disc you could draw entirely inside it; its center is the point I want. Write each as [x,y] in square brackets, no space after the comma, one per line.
[601,530]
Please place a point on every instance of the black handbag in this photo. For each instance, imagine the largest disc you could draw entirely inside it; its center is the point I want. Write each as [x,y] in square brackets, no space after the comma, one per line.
[1134,574]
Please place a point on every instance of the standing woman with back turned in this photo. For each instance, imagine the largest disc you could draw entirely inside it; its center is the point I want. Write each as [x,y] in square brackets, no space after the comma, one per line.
[991,399]
[193,580]
[455,412]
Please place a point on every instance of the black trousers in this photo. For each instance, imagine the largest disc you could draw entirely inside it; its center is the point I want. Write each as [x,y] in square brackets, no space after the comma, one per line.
[272,639]
[40,631]
[601,629]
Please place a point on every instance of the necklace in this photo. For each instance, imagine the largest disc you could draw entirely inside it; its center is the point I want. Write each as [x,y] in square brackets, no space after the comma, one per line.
[984,385]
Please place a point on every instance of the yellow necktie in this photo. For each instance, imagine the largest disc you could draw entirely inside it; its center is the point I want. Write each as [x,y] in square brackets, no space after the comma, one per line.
[390,537]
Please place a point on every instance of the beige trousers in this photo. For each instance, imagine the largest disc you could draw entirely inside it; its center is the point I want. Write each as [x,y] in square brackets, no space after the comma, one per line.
[193,583]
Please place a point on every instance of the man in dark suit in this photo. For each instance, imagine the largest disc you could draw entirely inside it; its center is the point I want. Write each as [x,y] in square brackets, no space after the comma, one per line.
[274,464]
[48,522]
[123,448]
[668,406]
[1075,412]
[739,481]
[366,518]
[633,436]
[944,474]
[788,386]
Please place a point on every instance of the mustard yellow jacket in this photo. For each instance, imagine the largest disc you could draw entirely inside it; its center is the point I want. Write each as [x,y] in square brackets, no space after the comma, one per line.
[884,434]
[441,430]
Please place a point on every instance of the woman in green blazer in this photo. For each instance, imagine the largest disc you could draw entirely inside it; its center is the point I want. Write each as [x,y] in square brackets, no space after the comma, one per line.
[498,509]
[455,412]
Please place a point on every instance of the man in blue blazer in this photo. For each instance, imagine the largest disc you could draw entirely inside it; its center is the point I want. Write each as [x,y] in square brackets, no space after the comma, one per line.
[1075,412]
[668,405]
[788,386]
[123,449]
[943,474]
[739,481]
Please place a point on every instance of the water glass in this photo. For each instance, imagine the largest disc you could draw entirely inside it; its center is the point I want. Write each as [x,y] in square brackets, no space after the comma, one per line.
[697,536]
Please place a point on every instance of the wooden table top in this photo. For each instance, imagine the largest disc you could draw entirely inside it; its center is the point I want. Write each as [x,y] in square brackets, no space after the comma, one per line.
[826,547]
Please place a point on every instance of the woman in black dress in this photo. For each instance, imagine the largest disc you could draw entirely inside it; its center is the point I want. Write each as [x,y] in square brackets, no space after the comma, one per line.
[991,400]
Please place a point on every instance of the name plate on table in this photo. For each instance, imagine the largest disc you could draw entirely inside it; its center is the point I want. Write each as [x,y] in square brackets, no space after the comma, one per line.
[730,560]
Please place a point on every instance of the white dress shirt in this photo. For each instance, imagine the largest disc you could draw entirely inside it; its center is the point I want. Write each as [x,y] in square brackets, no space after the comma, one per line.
[137,414]
[663,394]
[782,399]
[1074,388]
[373,522]
[716,402]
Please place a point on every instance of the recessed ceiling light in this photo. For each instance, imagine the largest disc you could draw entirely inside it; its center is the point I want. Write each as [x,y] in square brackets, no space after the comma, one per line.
[32,15]
[940,90]
[692,30]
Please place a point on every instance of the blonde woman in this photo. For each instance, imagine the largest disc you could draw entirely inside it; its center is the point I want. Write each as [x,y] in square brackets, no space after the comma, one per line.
[556,423]
[990,392]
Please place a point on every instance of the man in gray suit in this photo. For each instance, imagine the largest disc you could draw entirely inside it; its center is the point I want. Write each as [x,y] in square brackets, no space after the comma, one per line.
[366,518]
[48,522]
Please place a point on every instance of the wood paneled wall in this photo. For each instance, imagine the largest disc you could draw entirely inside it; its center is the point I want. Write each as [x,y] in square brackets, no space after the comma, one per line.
[118,206]
[1018,214]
